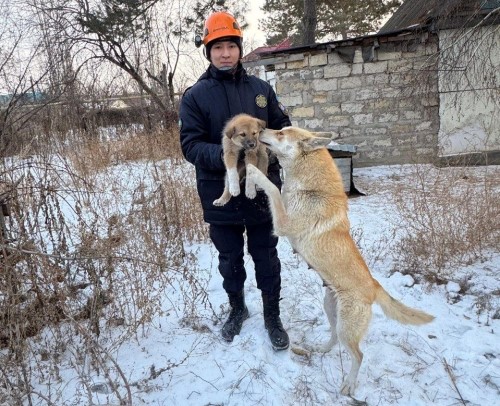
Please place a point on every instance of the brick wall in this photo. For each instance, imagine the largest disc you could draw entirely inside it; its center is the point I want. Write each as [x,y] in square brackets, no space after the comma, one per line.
[382,99]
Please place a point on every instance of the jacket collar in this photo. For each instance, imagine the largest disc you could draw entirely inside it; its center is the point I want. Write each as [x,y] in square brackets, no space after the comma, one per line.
[217,74]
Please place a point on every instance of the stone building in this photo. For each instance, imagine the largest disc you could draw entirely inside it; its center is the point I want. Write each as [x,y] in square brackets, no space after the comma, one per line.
[403,95]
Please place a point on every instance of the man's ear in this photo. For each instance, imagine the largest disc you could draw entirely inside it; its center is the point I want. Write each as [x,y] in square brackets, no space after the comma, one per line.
[310,144]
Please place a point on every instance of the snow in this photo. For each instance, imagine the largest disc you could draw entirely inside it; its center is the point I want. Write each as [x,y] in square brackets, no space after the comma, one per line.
[180,360]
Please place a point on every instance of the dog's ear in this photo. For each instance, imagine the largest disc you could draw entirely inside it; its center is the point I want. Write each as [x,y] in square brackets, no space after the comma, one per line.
[230,131]
[326,134]
[262,123]
[310,144]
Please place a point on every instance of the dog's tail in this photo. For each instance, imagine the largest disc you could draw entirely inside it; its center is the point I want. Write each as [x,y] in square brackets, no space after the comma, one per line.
[398,311]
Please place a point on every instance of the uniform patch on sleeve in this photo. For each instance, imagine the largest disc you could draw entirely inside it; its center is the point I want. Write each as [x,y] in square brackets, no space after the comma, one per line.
[261,101]
[283,109]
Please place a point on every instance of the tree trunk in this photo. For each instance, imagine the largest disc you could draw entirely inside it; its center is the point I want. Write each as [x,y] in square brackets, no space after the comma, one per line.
[309,22]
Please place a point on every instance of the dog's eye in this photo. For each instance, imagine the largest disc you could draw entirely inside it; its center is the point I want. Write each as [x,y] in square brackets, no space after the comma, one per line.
[242,134]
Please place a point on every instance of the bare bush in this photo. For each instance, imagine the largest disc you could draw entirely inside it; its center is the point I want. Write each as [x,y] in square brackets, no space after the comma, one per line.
[89,257]
[449,217]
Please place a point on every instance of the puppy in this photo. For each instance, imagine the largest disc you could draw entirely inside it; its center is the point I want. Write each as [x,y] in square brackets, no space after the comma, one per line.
[312,212]
[241,135]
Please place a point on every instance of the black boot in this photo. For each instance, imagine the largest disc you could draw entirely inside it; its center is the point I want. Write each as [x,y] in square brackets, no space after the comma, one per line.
[277,334]
[239,313]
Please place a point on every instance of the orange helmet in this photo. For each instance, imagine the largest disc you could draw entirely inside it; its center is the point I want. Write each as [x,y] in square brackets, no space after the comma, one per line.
[220,24]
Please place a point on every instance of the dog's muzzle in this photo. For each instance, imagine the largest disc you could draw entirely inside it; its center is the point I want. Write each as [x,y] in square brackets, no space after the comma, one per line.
[249,145]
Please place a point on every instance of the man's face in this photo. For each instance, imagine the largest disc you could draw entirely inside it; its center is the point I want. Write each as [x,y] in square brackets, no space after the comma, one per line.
[224,54]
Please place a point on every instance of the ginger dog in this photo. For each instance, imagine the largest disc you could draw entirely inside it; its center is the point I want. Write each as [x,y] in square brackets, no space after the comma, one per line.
[312,212]
[241,134]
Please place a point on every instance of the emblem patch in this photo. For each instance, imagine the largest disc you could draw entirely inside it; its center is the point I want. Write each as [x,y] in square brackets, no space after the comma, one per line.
[261,101]
[283,109]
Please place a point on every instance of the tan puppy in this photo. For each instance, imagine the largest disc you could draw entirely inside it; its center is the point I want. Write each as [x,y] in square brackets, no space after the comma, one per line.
[312,212]
[241,134]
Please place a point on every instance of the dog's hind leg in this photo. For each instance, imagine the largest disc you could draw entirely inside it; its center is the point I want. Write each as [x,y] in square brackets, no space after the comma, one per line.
[353,320]
[330,306]
[225,197]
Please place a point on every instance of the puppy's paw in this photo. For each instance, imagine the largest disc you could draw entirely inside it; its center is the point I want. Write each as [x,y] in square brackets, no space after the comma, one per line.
[220,202]
[234,189]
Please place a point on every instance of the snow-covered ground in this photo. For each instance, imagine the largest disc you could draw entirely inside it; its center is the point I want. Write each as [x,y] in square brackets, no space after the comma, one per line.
[181,360]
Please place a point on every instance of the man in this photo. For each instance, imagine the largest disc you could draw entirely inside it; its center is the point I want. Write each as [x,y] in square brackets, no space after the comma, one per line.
[223,91]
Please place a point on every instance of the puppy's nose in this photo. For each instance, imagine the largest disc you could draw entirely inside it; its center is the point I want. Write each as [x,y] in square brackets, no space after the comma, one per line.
[251,144]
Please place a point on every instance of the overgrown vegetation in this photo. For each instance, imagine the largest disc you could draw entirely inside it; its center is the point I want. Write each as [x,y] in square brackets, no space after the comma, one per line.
[449,218]
[85,266]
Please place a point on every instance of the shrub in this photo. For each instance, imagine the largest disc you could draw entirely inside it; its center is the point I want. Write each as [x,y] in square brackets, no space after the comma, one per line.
[449,217]
[95,243]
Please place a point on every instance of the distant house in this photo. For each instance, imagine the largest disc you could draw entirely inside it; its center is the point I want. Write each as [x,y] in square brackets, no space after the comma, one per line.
[24,98]
[469,62]
[422,89]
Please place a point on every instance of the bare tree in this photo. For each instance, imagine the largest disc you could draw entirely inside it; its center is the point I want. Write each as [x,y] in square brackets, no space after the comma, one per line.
[20,77]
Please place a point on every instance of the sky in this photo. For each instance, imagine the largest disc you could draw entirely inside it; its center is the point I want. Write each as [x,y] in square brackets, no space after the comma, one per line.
[454,360]
[252,17]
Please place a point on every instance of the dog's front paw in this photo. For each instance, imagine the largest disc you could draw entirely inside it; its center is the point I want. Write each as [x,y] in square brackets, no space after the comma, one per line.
[233,182]
[250,192]
[234,189]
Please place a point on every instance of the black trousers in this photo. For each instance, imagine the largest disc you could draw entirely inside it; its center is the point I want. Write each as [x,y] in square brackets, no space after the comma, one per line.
[261,243]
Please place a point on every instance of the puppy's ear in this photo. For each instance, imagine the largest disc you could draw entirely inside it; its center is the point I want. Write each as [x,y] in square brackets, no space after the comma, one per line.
[230,131]
[262,123]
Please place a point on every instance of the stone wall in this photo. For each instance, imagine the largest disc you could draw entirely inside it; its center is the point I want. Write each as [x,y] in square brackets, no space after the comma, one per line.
[469,80]
[380,97]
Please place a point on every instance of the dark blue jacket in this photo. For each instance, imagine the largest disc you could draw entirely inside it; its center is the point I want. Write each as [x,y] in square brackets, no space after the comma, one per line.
[205,109]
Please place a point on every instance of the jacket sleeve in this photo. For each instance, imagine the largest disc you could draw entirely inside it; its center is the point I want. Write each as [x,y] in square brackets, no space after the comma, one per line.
[194,137]
[278,117]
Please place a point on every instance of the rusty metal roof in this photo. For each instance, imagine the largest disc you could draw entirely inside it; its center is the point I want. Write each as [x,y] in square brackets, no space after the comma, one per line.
[420,12]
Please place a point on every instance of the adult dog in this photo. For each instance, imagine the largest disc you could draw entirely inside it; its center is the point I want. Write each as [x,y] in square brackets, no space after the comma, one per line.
[240,134]
[312,212]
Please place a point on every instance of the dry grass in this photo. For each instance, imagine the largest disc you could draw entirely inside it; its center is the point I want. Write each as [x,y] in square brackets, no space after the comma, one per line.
[450,217]
[95,242]
[93,154]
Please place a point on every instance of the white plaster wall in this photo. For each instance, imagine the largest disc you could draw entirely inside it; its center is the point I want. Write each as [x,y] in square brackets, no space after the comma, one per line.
[469,83]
